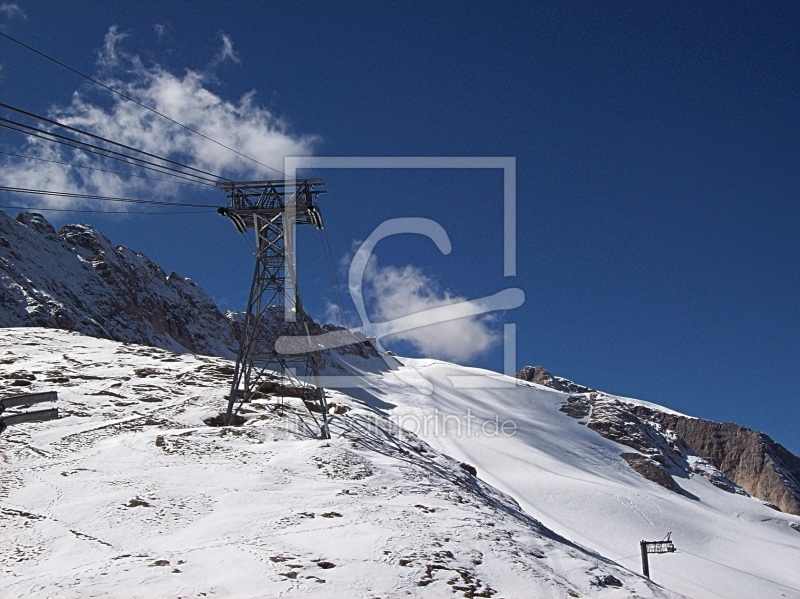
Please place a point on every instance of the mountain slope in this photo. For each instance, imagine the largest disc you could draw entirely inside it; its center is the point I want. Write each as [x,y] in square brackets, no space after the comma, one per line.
[134,469]
[575,481]
[131,494]
[732,457]
[77,279]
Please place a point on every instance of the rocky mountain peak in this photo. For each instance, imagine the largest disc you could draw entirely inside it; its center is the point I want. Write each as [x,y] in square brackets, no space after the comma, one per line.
[669,445]
[77,279]
[87,241]
[36,221]
[536,374]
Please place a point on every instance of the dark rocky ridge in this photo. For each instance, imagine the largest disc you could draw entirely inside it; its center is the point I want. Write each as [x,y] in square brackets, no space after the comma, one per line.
[540,376]
[762,467]
[732,457]
[76,279]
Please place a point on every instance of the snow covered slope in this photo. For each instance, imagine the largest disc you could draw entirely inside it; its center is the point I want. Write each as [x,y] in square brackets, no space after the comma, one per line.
[76,279]
[132,492]
[132,484]
[732,457]
[574,481]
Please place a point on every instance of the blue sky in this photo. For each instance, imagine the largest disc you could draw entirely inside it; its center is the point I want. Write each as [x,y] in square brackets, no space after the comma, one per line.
[657,169]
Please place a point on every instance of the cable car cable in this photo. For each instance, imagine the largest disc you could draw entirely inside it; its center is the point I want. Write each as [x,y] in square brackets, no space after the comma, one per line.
[120,94]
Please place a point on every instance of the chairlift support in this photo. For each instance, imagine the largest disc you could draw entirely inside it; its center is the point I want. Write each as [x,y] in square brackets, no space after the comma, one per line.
[663,546]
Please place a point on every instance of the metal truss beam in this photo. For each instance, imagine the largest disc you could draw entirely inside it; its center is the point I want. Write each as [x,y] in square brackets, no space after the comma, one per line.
[272,209]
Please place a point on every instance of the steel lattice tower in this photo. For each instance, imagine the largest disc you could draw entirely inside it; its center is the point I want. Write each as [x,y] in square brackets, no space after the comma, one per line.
[272,209]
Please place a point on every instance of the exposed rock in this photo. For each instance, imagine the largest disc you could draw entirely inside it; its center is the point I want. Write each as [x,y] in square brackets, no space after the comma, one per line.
[540,376]
[701,466]
[36,221]
[614,420]
[650,469]
[469,468]
[608,581]
[137,502]
[78,280]
[762,467]
[577,406]
[732,457]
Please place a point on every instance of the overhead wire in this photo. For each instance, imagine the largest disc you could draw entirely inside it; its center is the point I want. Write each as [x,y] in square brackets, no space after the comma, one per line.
[102,170]
[738,570]
[619,559]
[107,153]
[136,213]
[65,194]
[100,151]
[327,267]
[334,279]
[109,141]
[251,244]
[126,97]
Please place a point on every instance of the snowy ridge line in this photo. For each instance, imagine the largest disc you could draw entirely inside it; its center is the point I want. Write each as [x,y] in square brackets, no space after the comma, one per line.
[76,279]
[648,404]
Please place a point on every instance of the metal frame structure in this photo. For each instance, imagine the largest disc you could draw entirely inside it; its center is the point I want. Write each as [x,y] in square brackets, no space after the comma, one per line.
[663,546]
[273,209]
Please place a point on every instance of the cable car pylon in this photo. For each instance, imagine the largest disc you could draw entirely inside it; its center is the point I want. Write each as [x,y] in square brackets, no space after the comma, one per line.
[273,209]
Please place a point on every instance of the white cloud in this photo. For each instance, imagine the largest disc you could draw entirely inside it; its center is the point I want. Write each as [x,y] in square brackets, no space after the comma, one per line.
[241,124]
[161,30]
[226,52]
[12,10]
[109,56]
[396,292]
[334,315]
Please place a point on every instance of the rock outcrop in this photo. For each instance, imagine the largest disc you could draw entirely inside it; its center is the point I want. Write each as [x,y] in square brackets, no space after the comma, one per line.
[732,457]
[76,279]
[650,469]
[540,376]
[762,467]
